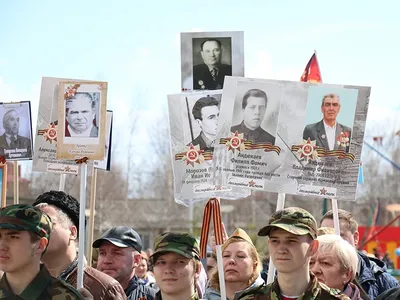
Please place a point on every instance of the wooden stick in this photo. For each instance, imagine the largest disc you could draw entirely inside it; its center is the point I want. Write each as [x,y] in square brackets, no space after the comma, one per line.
[16,182]
[82,210]
[91,215]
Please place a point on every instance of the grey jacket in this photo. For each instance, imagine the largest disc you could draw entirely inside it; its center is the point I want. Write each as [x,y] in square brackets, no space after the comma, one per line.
[316,132]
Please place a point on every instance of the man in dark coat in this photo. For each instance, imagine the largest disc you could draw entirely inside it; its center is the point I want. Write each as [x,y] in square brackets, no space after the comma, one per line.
[206,112]
[211,74]
[328,133]
[254,105]
[13,145]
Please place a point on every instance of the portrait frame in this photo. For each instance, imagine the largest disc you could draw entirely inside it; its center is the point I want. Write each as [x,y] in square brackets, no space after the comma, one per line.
[193,167]
[232,45]
[3,181]
[88,114]
[20,148]
[344,119]
[298,167]
[105,164]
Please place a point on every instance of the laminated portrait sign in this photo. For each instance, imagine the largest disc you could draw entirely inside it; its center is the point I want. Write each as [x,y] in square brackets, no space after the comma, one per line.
[81,120]
[193,121]
[105,164]
[291,137]
[207,57]
[44,156]
[16,130]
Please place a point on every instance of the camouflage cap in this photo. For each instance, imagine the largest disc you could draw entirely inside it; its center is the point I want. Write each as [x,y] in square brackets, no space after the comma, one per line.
[26,217]
[292,219]
[180,243]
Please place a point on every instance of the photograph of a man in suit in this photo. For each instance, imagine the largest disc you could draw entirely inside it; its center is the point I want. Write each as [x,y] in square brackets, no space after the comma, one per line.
[254,105]
[211,73]
[327,131]
[11,139]
[80,116]
[206,112]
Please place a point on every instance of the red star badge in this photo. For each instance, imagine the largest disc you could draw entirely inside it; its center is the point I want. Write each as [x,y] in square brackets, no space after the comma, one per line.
[307,150]
[50,134]
[323,191]
[236,142]
[193,155]
[252,183]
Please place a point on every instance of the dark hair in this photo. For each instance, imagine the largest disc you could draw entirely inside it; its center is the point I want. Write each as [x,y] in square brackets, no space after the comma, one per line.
[68,204]
[211,255]
[346,216]
[203,102]
[210,40]
[254,93]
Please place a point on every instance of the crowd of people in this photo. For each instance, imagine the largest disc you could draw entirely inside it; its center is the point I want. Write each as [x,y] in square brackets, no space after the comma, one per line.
[39,260]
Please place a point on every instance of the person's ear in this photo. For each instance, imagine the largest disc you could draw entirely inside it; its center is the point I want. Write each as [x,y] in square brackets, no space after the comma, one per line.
[314,247]
[73,233]
[42,245]
[356,236]
[136,259]
[198,267]
[347,276]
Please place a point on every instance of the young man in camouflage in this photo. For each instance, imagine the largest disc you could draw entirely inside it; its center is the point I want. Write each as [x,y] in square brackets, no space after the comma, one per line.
[292,241]
[24,236]
[176,266]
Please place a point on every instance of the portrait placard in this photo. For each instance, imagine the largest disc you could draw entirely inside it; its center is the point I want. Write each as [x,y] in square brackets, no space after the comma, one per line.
[16,130]
[105,164]
[44,156]
[207,57]
[291,137]
[82,120]
[193,121]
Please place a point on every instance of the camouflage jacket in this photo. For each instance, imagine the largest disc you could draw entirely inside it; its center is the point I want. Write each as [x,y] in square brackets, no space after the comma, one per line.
[315,291]
[195,296]
[42,287]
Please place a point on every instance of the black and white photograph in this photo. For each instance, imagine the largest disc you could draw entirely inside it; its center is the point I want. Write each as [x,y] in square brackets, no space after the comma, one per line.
[16,131]
[82,119]
[207,57]
[105,164]
[256,111]
[193,122]
[212,61]
[203,114]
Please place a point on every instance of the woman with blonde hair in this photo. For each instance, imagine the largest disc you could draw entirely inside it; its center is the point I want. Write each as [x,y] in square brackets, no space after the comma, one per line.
[242,268]
[335,264]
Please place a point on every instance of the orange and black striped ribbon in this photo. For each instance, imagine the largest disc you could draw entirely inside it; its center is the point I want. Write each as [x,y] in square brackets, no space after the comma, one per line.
[212,210]
[335,153]
[267,147]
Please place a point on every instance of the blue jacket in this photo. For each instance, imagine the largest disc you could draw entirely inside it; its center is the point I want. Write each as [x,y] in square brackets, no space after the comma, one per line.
[373,277]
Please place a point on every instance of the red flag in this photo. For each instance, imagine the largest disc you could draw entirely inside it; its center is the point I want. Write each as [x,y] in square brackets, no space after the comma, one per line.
[311,72]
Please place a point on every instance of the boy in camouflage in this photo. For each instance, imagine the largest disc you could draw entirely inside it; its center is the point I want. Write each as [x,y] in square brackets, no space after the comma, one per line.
[24,236]
[292,233]
[176,266]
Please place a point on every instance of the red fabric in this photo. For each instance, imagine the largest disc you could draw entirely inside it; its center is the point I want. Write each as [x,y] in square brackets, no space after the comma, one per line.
[285,298]
[311,72]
